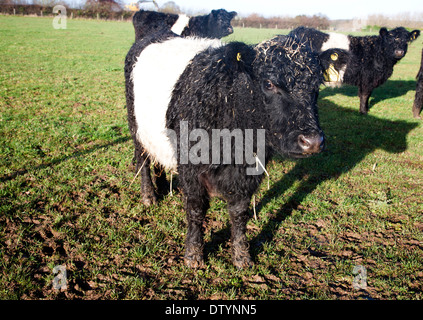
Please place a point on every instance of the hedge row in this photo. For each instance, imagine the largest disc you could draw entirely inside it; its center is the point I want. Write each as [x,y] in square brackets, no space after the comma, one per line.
[101,12]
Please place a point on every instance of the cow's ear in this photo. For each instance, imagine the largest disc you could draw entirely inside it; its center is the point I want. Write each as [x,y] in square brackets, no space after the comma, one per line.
[333,62]
[414,35]
[383,32]
[233,14]
[239,56]
[214,12]
[334,56]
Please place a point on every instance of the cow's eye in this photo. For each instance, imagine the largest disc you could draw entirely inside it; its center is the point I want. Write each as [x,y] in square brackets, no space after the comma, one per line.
[268,85]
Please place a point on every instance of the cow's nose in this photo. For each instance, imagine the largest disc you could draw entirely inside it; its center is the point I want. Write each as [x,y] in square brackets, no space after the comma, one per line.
[311,143]
[399,53]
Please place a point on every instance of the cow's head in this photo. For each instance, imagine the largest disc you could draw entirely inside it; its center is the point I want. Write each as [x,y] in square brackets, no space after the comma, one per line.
[334,62]
[290,75]
[219,23]
[395,42]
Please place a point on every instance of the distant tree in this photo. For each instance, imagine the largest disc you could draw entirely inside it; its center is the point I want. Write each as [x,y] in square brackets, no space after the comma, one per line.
[45,3]
[170,7]
[103,5]
[134,6]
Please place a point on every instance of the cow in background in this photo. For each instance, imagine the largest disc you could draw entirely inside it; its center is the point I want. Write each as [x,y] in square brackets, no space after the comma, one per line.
[372,58]
[216,24]
[418,100]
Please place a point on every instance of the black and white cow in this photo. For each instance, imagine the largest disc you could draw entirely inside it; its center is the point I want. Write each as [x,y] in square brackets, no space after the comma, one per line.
[216,24]
[418,100]
[183,91]
[371,59]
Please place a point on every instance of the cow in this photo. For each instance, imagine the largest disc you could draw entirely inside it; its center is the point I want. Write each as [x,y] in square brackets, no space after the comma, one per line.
[187,96]
[216,24]
[418,100]
[371,60]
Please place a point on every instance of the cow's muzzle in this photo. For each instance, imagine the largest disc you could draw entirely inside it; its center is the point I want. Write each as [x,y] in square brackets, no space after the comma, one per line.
[399,53]
[311,144]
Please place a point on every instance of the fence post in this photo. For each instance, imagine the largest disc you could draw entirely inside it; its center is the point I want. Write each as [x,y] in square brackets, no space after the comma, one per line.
[98,16]
[14,11]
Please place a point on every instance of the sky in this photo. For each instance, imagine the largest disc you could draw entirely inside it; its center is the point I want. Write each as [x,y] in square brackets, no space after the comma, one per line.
[333,9]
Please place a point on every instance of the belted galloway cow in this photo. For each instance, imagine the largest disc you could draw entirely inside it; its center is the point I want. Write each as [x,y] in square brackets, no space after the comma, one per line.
[215,113]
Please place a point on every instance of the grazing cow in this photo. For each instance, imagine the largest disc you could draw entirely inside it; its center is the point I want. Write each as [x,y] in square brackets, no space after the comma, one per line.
[372,58]
[187,96]
[216,24]
[418,100]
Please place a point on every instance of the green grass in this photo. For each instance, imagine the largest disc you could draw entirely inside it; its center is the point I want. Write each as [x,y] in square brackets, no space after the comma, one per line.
[66,196]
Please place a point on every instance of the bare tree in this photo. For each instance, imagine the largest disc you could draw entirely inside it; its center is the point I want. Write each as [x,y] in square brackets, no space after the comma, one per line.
[103,5]
[149,1]
[170,7]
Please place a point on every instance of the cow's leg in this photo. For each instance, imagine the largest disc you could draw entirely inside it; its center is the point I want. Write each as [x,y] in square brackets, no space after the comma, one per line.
[148,195]
[416,111]
[364,95]
[161,183]
[238,211]
[196,204]
[418,100]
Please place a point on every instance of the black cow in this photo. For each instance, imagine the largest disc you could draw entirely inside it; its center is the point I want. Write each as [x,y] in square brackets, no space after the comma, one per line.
[418,100]
[214,113]
[216,24]
[371,60]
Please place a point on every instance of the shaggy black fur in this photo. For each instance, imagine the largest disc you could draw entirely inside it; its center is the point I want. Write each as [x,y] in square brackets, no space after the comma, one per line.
[273,86]
[312,37]
[418,100]
[372,58]
[216,24]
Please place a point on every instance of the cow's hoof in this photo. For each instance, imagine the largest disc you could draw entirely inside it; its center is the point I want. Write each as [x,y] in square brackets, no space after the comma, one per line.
[243,263]
[194,261]
[148,200]
[194,256]
[241,257]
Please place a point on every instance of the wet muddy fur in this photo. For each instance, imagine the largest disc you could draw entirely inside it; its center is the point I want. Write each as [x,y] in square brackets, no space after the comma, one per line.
[273,86]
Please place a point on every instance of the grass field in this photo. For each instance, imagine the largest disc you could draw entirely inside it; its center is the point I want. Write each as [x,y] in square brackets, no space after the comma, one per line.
[66,196]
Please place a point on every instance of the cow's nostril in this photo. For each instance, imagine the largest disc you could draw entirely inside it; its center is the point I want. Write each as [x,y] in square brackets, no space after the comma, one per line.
[399,52]
[311,144]
[303,142]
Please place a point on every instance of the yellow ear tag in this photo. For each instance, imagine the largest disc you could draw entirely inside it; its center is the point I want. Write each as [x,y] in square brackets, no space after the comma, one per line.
[331,75]
[334,56]
[238,56]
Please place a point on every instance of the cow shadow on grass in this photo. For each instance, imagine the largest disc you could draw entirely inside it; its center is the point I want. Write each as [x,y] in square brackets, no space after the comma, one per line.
[350,138]
[389,90]
[58,160]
